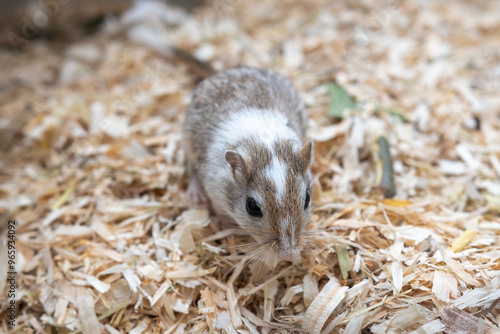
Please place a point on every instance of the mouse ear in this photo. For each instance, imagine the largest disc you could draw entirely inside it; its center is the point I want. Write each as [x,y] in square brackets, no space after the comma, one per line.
[237,162]
[307,154]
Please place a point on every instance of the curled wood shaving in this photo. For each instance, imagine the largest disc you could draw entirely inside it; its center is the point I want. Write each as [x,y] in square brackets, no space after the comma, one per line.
[323,305]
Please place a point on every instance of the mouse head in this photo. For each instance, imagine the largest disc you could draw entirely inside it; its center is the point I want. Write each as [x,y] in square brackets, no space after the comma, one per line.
[270,195]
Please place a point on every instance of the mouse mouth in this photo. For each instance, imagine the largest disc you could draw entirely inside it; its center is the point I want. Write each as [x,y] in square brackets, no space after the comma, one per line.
[289,253]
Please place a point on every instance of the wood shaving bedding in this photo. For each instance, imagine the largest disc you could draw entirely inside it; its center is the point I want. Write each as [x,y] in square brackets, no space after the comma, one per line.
[92,171]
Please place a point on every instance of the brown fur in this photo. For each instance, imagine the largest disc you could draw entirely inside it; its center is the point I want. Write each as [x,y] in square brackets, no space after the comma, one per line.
[214,101]
[229,91]
[260,158]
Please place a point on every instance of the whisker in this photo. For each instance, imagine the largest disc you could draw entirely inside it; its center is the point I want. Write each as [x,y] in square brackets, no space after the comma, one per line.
[255,252]
[250,244]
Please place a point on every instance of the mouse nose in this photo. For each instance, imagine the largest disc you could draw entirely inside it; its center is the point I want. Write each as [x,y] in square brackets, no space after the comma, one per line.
[289,253]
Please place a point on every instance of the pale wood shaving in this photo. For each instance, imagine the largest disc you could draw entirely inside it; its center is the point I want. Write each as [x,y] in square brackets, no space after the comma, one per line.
[93,171]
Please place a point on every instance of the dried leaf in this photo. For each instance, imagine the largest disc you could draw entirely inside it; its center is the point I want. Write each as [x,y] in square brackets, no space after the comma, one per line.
[340,100]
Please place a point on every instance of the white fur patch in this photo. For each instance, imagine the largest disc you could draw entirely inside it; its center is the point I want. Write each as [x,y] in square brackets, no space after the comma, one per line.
[276,172]
[283,227]
[264,126]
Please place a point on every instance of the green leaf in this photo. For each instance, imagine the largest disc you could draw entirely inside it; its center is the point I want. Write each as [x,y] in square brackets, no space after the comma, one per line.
[340,101]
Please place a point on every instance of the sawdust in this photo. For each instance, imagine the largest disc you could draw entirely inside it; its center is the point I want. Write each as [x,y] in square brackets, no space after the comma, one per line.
[92,172]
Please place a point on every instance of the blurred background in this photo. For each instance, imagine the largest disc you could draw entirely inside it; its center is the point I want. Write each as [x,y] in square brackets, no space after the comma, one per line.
[101,67]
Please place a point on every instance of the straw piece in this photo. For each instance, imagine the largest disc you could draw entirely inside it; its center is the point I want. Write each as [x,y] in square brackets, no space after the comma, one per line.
[396,202]
[64,197]
[461,242]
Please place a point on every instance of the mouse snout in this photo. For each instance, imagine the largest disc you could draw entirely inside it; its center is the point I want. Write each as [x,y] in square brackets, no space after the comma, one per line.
[289,254]
[288,248]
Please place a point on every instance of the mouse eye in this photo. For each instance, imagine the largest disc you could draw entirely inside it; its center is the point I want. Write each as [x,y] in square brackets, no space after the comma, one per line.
[252,208]
[308,199]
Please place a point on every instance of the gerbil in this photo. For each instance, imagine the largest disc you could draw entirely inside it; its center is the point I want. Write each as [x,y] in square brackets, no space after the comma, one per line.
[244,137]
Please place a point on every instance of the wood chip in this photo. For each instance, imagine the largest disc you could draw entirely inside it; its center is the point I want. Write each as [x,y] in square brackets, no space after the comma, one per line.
[94,175]
[87,315]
